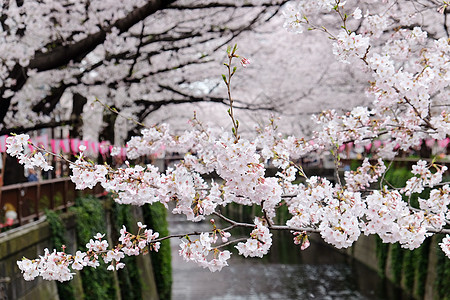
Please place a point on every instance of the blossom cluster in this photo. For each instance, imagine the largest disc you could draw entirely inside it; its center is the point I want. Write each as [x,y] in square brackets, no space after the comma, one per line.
[259,242]
[135,244]
[364,175]
[16,147]
[60,265]
[294,19]
[445,245]
[394,220]
[197,251]
[337,213]
[301,238]
[341,219]
[388,215]
[349,45]
[425,177]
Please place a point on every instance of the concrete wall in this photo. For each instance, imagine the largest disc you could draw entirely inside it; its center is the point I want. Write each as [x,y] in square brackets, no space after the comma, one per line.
[26,241]
[364,250]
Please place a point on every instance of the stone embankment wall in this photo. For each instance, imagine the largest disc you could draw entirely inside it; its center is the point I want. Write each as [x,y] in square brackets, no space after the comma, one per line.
[419,273]
[27,241]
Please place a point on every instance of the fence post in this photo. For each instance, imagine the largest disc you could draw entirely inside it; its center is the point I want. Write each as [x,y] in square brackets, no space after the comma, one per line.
[37,200]
[19,205]
[65,195]
[52,195]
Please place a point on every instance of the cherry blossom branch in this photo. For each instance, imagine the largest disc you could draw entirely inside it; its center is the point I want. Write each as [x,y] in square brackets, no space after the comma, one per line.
[231,242]
[274,227]
[115,111]
[265,215]
[233,223]
[23,129]
[443,230]
[416,111]
[384,175]
[342,17]
[231,54]
[289,228]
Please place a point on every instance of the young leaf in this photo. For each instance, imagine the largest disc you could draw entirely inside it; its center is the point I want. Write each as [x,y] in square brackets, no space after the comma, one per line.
[224,78]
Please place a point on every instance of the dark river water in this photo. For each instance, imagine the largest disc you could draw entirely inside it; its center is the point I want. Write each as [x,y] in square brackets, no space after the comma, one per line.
[318,272]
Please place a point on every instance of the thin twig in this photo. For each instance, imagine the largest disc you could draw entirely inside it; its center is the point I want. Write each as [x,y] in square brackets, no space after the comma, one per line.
[231,242]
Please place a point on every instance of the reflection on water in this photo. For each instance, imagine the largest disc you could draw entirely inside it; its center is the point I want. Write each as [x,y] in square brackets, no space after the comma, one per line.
[285,273]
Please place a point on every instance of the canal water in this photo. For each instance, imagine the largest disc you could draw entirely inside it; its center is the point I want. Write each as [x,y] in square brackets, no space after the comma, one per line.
[318,272]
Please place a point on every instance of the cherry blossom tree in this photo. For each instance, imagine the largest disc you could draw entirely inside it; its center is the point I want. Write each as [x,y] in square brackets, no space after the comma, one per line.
[406,57]
[58,56]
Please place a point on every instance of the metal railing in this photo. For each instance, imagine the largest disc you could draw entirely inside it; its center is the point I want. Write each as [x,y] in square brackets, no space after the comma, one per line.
[30,199]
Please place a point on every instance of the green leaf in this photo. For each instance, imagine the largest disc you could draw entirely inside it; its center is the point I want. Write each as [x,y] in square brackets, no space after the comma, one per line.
[224,78]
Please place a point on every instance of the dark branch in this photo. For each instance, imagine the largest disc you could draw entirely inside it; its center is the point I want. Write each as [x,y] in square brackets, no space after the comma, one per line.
[191,98]
[230,4]
[62,55]
[22,129]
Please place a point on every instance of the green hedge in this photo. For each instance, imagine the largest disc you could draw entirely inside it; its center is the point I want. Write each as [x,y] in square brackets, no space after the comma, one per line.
[421,266]
[66,290]
[129,277]
[442,284]
[97,283]
[155,217]
[382,250]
